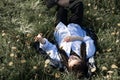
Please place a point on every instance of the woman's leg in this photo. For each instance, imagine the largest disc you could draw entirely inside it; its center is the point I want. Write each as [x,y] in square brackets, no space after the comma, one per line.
[61,15]
[77,13]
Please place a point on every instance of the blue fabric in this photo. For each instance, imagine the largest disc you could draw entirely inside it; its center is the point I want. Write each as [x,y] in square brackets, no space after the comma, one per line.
[62,31]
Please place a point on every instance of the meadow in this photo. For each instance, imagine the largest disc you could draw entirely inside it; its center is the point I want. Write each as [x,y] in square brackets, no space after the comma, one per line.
[21,20]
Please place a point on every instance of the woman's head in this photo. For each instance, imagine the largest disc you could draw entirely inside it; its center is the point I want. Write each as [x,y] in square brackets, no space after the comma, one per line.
[73,60]
[77,65]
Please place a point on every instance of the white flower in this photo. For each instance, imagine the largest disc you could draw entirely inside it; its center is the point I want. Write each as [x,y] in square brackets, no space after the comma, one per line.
[13,48]
[10,63]
[34,67]
[23,61]
[11,55]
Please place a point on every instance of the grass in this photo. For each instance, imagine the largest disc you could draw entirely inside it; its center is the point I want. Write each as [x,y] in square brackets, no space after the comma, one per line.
[21,20]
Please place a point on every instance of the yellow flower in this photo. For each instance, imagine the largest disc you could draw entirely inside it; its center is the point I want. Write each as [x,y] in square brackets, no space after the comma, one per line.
[109,50]
[34,67]
[118,24]
[117,33]
[39,15]
[10,63]
[46,63]
[108,77]
[28,35]
[113,33]
[13,48]
[114,66]
[104,68]
[95,7]
[8,42]
[18,36]
[87,12]
[3,34]
[12,55]
[89,4]
[57,75]
[18,40]
[117,41]
[23,61]
[110,72]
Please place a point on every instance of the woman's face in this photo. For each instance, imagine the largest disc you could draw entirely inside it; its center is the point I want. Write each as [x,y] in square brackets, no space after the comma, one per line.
[73,60]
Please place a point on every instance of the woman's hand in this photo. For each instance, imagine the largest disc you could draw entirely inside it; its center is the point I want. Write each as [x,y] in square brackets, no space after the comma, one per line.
[39,38]
[68,39]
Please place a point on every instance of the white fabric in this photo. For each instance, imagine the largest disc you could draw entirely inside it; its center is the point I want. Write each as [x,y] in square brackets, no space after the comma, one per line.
[63,31]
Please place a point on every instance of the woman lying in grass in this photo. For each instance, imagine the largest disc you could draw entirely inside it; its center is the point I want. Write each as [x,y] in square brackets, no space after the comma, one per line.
[72,41]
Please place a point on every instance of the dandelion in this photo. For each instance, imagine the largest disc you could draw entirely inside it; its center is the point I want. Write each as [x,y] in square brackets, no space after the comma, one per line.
[39,15]
[57,75]
[18,36]
[13,48]
[110,72]
[118,24]
[34,67]
[108,77]
[23,61]
[117,33]
[101,39]
[113,33]
[104,68]
[8,42]
[18,40]
[117,41]
[12,55]
[114,66]
[10,63]
[89,4]
[97,52]
[95,7]
[99,18]
[28,35]
[46,63]
[3,34]
[87,12]
[109,50]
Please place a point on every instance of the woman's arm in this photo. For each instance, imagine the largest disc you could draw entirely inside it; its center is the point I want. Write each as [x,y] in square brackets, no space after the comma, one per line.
[76,38]
[73,38]
[48,47]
